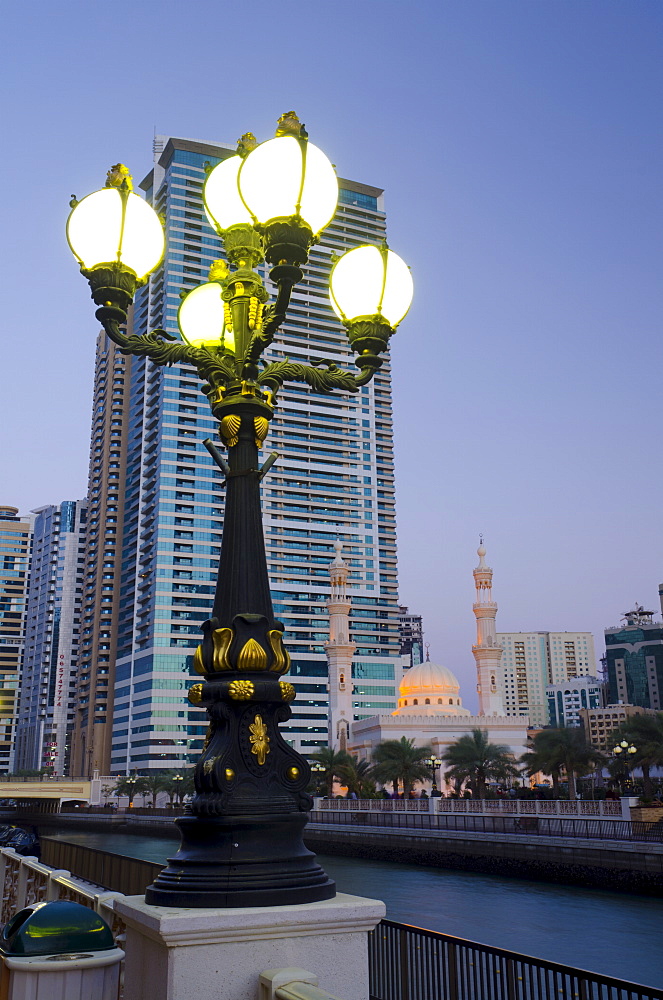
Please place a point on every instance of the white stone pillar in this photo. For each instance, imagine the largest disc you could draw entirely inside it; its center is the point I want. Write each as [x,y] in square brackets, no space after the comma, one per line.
[218,954]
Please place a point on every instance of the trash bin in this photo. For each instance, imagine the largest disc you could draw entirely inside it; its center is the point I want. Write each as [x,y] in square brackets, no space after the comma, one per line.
[58,951]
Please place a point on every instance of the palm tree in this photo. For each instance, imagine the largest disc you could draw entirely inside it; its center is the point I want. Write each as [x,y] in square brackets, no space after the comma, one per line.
[177,784]
[474,759]
[153,784]
[645,732]
[332,761]
[357,775]
[400,761]
[129,786]
[563,748]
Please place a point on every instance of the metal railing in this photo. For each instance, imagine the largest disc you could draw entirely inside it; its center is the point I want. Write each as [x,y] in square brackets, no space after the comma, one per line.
[530,826]
[410,963]
[520,807]
[27,880]
[127,876]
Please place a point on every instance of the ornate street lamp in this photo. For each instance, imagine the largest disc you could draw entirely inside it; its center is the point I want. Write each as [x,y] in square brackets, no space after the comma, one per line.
[242,833]
[627,750]
[434,762]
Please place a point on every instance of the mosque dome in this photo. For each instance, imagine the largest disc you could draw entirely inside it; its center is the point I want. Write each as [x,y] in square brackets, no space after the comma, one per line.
[430,689]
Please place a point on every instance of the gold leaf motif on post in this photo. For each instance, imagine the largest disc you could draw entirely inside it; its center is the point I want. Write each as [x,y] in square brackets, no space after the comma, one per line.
[221,639]
[252,656]
[229,428]
[261,425]
[287,691]
[198,664]
[241,690]
[281,664]
[259,739]
[195,694]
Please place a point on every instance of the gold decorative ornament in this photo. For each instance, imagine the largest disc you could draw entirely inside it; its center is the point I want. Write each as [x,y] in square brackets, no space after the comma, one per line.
[239,288]
[241,690]
[218,270]
[246,143]
[287,691]
[252,656]
[289,124]
[227,316]
[195,694]
[221,639]
[261,425]
[117,176]
[293,773]
[198,664]
[281,664]
[209,764]
[259,739]
[229,427]
[230,774]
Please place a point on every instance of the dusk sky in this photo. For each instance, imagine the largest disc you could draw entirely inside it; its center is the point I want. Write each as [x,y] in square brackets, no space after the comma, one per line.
[519,146]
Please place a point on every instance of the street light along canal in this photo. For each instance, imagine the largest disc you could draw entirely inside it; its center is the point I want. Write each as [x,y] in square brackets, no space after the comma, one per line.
[618,935]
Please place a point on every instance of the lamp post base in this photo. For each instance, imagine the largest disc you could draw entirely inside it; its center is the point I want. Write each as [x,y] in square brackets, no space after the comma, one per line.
[233,861]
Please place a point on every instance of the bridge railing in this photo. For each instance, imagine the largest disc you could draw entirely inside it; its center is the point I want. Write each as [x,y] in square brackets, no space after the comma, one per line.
[410,963]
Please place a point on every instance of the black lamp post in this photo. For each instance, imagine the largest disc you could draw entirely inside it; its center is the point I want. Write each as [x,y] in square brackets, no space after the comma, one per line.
[623,752]
[434,762]
[242,833]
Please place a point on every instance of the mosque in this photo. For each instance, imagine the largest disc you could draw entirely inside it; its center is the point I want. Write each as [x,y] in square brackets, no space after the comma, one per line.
[430,709]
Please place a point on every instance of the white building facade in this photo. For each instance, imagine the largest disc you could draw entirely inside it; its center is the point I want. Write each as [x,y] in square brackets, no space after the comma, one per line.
[566,701]
[533,660]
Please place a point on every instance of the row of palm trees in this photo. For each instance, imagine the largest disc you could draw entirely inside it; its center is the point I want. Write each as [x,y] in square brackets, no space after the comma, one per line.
[176,784]
[473,761]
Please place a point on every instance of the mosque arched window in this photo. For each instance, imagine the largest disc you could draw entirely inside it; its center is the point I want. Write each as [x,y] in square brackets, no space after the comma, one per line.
[451,701]
[439,701]
[415,701]
[427,702]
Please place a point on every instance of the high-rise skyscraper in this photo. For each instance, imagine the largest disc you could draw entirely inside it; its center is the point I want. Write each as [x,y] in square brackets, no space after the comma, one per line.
[334,479]
[634,653]
[15,541]
[48,680]
[93,709]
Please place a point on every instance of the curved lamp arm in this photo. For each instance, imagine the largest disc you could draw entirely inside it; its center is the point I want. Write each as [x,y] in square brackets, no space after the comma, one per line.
[163,349]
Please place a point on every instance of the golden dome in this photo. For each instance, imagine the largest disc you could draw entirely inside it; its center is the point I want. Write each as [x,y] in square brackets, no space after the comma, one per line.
[430,689]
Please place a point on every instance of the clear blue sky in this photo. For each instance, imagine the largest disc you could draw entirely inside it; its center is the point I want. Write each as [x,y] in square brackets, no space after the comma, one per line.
[519,143]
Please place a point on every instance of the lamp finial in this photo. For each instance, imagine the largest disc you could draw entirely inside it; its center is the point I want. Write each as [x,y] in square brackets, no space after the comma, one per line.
[118,176]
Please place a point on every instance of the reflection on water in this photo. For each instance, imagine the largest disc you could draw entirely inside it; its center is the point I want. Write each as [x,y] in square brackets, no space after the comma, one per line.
[618,935]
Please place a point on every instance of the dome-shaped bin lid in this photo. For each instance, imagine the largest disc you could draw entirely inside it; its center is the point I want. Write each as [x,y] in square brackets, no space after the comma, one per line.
[56,928]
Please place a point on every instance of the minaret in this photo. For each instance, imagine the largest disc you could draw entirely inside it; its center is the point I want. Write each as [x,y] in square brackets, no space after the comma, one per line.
[339,654]
[487,652]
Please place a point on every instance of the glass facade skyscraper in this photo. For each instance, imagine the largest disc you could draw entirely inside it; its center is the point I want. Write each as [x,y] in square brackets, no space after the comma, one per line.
[334,479]
[15,543]
[53,619]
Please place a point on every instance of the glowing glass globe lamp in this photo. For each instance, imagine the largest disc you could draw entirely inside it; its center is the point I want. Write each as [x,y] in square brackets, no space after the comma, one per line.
[371,291]
[117,238]
[290,190]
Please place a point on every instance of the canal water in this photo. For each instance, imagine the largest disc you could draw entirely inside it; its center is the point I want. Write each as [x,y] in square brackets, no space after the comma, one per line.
[612,933]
